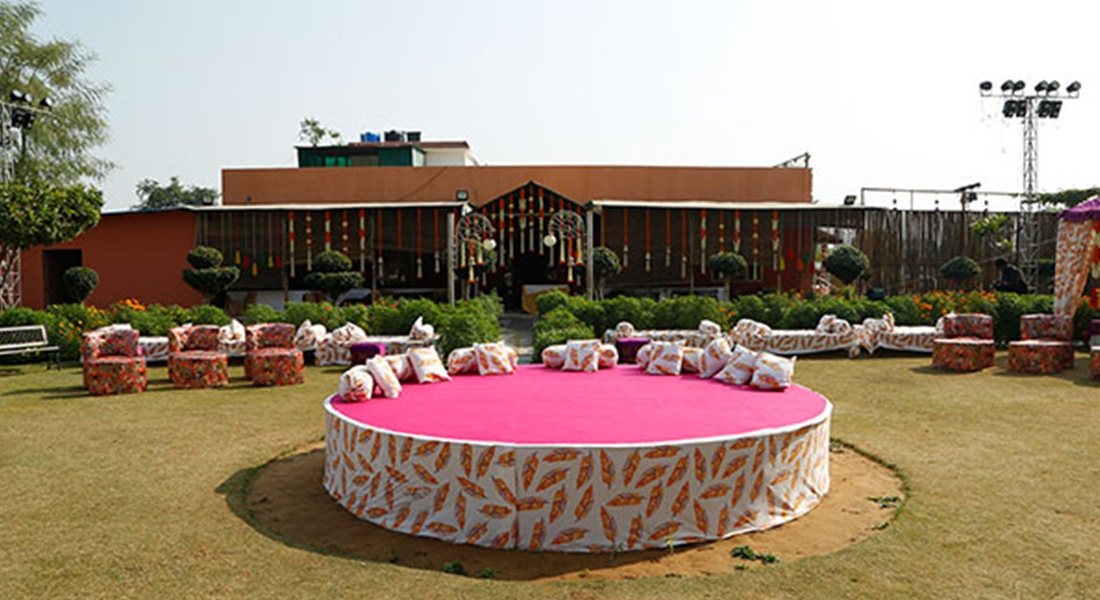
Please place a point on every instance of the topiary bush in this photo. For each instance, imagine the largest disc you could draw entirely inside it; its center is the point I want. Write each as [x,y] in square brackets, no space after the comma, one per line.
[78,283]
[960,269]
[316,312]
[207,275]
[557,327]
[207,315]
[846,263]
[333,275]
[605,263]
[262,313]
[548,301]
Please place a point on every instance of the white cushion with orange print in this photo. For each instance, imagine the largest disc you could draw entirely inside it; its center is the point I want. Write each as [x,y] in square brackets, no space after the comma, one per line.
[492,359]
[401,367]
[715,357]
[693,360]
[580,355]
[607,356]
[740,367]
[644,354]
[427,365]
[624,329]
[710,327]
[513,356]
[554,356]
[462,360]
[773,372]
[384,376]
[356,384]
[666,358]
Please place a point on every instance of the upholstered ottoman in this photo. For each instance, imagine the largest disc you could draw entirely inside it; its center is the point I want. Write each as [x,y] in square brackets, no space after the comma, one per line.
[1094,362]
[198,369]
[962,354]
[275,366]
[628,348]
[115,375]
[1039,356]
[362,351]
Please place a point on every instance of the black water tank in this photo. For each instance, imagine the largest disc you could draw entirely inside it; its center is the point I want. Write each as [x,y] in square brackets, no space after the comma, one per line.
[395,136]
[412,136]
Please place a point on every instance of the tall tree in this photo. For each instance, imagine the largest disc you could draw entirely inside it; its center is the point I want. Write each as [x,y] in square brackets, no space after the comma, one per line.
[1068,198]
[155,196]
[310,130]
[58,147]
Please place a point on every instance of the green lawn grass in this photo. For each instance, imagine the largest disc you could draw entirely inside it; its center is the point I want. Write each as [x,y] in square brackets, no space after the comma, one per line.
[128,496]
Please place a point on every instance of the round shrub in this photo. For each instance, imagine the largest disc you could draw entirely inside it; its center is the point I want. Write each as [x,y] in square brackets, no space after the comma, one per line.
[78,283]
[205,257]
[606,263]
[333,284]
[727,264]
[960,269]
[550,300]
[331,261]
[211,281]
[846,263]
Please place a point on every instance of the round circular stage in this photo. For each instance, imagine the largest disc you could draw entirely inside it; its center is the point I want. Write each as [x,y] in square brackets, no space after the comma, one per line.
[579,462]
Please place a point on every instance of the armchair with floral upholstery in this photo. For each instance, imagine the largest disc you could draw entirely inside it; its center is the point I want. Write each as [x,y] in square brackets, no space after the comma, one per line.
[195,358]
[271,357]
[113,361]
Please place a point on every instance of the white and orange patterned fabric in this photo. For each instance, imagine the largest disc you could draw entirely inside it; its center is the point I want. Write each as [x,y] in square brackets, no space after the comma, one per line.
[462,361]
[1071,265]
[692,361]
[232,339]
[607,356]
[882,333]
[739,369]
[624,329]
[691,338]
[571,499]
[492,359]
[384,377]
[786,342]
[356,385]
[401,366]
[715,357]
[427,365]
[309,335]
[155,348]
[421,330]
[643,356]
[553,357]
[581,355]
[773,372]
[665,358]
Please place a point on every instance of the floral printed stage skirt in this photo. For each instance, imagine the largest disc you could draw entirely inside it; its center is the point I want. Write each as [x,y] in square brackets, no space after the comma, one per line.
[275,366]
[1094,362]
[198,369]
[962,354]
[115,375]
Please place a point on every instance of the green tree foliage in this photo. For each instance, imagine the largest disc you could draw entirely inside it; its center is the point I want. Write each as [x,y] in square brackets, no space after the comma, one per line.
[1068,198]
[310,130]
[207,275]
[605,264]
[728,266]
[846,263]
[155,196]
[332,275]
[960,269]
[57,148]
[78,283]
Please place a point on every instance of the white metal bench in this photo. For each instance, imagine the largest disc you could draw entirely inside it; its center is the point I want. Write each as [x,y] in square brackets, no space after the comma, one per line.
[24,339]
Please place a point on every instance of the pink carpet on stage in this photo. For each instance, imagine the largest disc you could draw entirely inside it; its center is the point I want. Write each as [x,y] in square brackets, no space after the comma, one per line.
[621,405]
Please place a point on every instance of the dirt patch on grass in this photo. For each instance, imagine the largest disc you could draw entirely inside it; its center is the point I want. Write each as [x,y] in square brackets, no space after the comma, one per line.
[286,499]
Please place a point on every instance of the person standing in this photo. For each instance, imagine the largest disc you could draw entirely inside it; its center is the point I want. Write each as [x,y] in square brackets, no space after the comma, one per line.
[1011,279]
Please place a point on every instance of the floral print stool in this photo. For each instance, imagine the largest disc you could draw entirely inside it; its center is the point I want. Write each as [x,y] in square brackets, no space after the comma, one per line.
[194,360]
[1038,356]
[113,363]
[272,358]
[962,354]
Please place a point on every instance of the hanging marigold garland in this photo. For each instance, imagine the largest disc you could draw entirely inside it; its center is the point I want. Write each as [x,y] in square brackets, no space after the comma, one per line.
[237,239]
[522,223]
[344,232]
[435,238]
[683,244]
[647,269]
[419,258]
[511,228]
[309,241]
[501,232]
[542,224]
[668,238]
[626,239]
[381,259]
[777,256]
[721,231]
[257,256]
[290,239]
[328,231]
[755,245]
[737,231]
[703,241]
[362,239]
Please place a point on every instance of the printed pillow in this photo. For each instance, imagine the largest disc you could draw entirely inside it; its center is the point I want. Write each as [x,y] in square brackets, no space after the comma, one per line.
[643,355]
[384,376]
[624,329]
[710,327]
[349,334]
[461,360]
[356,385]
[693,360]
[513,356]
[607,356]
[401,366]
[427,365]
[309,335]
[889,319]
[233,332]
[554,356]
[825,325]
[666,358]
[740,368]
[715,357]
[492,359]
[421,330]
[580,355]
[773,373]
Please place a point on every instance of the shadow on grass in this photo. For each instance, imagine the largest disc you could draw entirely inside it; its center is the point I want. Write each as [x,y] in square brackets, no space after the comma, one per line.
[285,501]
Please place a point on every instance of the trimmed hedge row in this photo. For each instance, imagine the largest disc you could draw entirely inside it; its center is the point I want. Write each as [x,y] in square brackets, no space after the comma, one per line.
[790,311]
[476,320]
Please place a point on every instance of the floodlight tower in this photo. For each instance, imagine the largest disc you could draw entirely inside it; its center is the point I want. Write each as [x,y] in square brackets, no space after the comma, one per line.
[1044,103]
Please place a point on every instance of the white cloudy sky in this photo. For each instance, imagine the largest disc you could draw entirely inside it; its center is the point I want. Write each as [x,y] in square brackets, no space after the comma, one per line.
[882,94]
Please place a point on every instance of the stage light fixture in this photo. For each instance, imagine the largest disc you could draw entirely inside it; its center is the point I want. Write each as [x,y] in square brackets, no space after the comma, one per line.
[1044,109]
[1074,87]
[45,104]
[19,97]
[1041,87]
[22,118]
[1007,86]
[1019,85]
[1052,87]
[1055,108]
[985,86]
[1009,109]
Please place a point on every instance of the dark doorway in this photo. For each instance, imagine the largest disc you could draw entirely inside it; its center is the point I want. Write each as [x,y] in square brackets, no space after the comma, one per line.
[527,268]
[54,265]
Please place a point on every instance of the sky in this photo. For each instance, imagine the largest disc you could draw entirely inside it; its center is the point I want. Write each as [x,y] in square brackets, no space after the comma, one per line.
[881,94]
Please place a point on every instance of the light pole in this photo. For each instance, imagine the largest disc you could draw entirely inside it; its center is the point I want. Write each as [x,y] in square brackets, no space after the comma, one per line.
[1044,103]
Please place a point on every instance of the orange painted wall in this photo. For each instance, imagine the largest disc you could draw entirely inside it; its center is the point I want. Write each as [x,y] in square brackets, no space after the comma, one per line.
[137,255]
[579,183]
